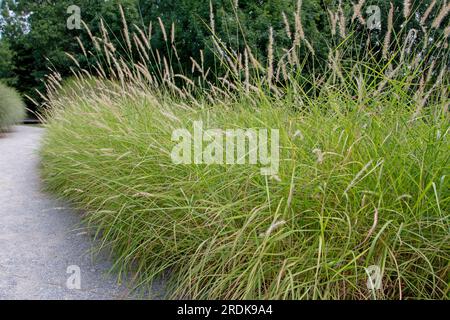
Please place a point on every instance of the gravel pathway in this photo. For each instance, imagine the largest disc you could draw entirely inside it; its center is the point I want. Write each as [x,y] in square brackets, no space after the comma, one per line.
[40,238]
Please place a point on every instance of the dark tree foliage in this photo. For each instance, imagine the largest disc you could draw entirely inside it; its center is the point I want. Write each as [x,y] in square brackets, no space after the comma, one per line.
[35,38]
[247,23]
[37,34]
[6,64]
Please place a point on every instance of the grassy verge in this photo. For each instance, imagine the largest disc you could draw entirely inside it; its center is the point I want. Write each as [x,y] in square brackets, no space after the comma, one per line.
[362,183]
[12,108]
[356,187]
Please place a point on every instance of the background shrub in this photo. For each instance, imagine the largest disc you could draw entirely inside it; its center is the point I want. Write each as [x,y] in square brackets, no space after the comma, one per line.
[12,108]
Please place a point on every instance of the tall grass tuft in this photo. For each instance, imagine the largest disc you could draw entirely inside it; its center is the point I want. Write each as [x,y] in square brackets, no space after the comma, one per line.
[363,177]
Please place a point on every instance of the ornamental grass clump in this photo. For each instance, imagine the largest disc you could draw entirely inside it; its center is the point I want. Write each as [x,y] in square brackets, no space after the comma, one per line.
[362,182]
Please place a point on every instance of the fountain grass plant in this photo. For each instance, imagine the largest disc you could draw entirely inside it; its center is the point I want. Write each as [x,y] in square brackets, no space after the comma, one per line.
[363,178]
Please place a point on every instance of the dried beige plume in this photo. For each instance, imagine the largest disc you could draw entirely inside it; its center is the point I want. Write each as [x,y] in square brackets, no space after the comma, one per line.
[195,65]
[430,72]
[286,25]
[277,75]
[211,18]
[150,30]
[310,47]
[342,22]
[141,49]
[270,57]
[387,38]
[447,32]
[103,31]
[410,39]
[442,14]
[125,28]
[247,72]
[253,60]
[80,43]
[420,98]
[284,71]
[91,36]
[357,7]
[406,8]
[299,33]
[427,12]
[143,195]
[272,227]
[172,33]
[163,29]
[334,17]
[143,37]
[372,229]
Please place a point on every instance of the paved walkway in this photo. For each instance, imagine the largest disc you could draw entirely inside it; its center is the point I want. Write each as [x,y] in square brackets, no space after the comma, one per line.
[39,237]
